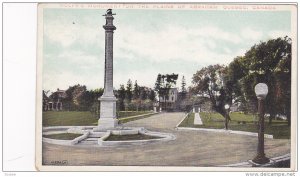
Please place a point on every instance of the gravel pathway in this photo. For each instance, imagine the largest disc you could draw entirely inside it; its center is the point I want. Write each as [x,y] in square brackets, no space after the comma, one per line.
[197,119]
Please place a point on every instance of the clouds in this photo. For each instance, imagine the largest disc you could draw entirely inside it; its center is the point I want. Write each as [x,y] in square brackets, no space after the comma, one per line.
[78,57]
[251,34]
[279,33]
[74,46]
[186,44]
[67,32]
[62,80]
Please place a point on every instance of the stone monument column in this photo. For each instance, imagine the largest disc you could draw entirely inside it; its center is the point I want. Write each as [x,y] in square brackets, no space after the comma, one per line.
[108,117]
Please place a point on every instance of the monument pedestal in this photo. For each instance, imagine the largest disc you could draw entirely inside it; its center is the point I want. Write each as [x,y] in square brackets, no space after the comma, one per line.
[108,117]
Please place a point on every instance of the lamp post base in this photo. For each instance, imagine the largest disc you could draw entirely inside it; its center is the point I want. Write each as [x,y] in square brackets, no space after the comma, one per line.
[261,159]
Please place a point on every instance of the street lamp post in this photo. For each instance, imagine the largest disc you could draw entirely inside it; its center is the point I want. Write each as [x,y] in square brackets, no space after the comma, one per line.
[261,91]
[226,117]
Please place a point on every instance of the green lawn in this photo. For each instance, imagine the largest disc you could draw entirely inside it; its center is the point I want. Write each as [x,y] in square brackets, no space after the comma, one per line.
[122,114]
[279,129]
[80,118]
[189,121]
[71,118]
[132,118]
[63,136]
[130,137]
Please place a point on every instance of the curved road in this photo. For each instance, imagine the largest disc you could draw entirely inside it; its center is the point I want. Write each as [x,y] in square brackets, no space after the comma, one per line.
[191,148]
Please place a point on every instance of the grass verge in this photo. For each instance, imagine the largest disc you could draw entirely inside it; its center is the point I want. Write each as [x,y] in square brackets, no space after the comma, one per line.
[85,118]
[63,136]
[133,118]
[130,137]
[240,122]
[66,118]
[122,114]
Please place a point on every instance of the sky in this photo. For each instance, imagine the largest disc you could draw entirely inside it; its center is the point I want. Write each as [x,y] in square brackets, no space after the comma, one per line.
[148,42]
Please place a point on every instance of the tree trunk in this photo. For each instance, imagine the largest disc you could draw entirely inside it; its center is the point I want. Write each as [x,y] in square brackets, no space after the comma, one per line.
[226,121]
[271,118]
[165,103]
[226,117]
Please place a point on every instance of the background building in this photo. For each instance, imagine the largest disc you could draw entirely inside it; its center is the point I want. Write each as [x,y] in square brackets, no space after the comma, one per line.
[168,103]
[54,101]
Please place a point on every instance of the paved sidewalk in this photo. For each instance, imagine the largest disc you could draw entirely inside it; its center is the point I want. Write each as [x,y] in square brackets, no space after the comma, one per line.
[197,119]
[190,148]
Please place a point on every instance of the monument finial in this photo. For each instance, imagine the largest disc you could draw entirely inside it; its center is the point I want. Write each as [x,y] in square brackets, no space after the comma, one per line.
[109,20]
[109,13]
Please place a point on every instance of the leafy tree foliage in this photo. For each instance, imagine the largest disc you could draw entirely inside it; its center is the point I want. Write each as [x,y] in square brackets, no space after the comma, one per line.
[183,84]
[121,97]
[129,90]
[210,82]
[78,98]
[142,97]
[152,95]
[268,62]
[136,91]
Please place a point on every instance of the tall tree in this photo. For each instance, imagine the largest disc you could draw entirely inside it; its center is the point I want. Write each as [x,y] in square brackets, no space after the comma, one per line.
[95,107]
[129,90]
[183,84]
[136,90]
[152,95]
[74,96]
[143,91]
[210,81]
[158,85]
[183,92]
[121,97]
[78,98]
[236,71]
[122,92]
[268,62]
